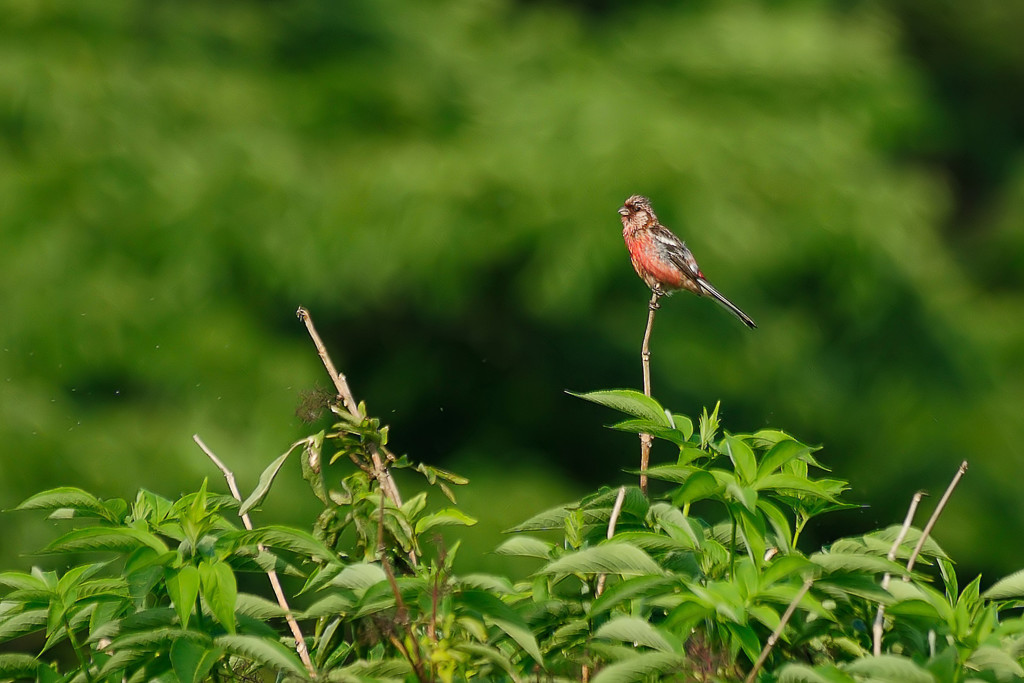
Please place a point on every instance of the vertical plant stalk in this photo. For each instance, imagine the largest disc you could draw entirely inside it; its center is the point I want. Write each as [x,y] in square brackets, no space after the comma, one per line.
[645,358]
[349,403]
[774,637]
[275,583]
[880,615]
[934,518]
[612,521]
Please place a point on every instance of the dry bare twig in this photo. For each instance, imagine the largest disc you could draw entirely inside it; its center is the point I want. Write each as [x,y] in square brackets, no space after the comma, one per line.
[880,615]
[645,357]
[275,583]
[934,518]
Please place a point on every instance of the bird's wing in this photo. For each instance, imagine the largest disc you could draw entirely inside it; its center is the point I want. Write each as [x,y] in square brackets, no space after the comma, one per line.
[676,251]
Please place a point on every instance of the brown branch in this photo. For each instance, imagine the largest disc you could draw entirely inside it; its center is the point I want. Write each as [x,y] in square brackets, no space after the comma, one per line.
[880,615]
[293,625]
[934,518]
[645,358]
[349,402]
[774,637]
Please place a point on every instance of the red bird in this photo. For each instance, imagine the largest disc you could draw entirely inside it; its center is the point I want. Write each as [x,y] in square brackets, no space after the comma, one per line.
[661,259]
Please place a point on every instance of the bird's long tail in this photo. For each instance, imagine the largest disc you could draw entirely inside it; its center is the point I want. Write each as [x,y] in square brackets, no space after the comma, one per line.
[707,289]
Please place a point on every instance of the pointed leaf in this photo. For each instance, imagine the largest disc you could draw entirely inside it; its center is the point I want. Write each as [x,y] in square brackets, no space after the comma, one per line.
[266,479]
[269,653]
[220,591]
[445,517]
[607,558]
[525,546]
[640,667]
[1007,588]
[192,660]
[742,458]
[182,588]
[639,632]
[630,402]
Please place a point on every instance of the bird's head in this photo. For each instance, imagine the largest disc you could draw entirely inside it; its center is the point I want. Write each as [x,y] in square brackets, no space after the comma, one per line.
[637,213]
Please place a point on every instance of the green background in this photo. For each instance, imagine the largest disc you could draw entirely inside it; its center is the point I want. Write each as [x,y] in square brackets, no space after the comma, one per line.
[438,183]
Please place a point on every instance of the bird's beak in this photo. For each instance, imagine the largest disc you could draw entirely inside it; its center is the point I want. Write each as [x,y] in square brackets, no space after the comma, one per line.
[623,211]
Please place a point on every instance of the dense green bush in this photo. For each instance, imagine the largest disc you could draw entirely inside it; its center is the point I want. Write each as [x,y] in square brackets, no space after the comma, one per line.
[696,583]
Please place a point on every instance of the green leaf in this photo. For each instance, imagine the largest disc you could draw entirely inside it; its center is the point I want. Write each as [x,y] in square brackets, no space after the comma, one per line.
[989,658]
[801,673]
[191,660]
[553,518]
[67,497]
[781,453]
[266,479]
[640,667]
[630,589]
[889,669]
[639,632]
[183,589]
[285,538]
[526,546]
[742,458]
[654,429]
[105,539]
[264,651]
[220,591]
[630,402]
[22,623]
[18,666]
[792,483]
[445,517]
[502,616]
[608,558]
[856,562]
[359,577]
[1007,588]
[699,486]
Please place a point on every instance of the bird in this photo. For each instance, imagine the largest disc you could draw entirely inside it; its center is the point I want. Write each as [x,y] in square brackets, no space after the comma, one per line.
[662,260]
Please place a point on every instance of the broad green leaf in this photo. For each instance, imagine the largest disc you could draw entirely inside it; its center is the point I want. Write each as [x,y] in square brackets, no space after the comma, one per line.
[257,607]
[792,483]
[1007,588]
[285,538]
[445,517]
[553,518]
[105,539]
[640,667]
[359,577]
[801,673]
[373,670]
[677,474]
[491,654]
[266,480]
[639,632]
[192,660]
[742,458]
[22,623]
[699,486]
[631,588]
[630,402]
[781,453]
[13,666]
[525,546]
[653,428]
[66,497]
[25,582]
[496,585]
[989,658]
[502,616]
[608,558]
[331,605]
[183,589]
[856,562]
[889,669]
[269,653]
[220,591]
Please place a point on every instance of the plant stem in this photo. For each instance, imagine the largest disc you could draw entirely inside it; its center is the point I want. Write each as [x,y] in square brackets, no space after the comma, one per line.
[880,615]
[275,583]
[774,637]
[934,518]
[645,358]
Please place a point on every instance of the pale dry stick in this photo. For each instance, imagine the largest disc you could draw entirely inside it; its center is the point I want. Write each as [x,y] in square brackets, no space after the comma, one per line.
[349,401]
[612,521]
[282,601]
[891,556]
[645,357]
[774,637]
[934,518]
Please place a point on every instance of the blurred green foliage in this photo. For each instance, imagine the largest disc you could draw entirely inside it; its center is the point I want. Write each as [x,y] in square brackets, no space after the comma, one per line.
[437,182]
